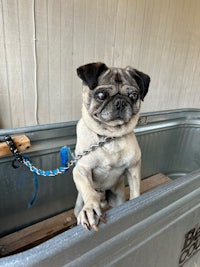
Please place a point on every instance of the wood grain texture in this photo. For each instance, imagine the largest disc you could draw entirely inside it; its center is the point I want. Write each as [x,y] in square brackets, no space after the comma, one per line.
[36,234]
[21,142]
[43,42]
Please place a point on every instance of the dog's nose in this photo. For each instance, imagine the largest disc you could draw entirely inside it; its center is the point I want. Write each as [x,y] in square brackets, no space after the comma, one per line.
[120,103]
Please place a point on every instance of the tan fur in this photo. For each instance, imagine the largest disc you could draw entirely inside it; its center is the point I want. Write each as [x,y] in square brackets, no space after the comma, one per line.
[104,169]
[110,129]
[99,176]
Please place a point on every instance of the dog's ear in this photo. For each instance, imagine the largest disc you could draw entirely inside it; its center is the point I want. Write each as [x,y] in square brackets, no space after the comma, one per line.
[89,73]
[142,79]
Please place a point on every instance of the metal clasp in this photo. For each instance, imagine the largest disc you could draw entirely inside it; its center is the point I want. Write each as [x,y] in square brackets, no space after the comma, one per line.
[142,121]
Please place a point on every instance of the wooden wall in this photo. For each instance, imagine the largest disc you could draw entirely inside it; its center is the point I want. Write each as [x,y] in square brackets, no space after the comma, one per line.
[42,42]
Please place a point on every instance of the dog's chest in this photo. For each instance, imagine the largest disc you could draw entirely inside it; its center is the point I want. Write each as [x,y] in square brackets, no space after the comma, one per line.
[121,152]
[115,157]
[115,154]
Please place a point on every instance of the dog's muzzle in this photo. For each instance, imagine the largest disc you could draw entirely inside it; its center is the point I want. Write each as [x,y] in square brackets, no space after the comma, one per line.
[120,105]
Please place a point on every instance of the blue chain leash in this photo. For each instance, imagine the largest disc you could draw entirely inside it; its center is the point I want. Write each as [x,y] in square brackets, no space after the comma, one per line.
[64,155]
[65,152]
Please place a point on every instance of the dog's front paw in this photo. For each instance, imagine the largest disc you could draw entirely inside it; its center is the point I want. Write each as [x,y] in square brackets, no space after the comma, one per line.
[90,215]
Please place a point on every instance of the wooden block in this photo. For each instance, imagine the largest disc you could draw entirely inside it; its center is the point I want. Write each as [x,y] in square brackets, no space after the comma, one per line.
[42,231]
[36,234]
[150,183]
[21,142]
[153,182]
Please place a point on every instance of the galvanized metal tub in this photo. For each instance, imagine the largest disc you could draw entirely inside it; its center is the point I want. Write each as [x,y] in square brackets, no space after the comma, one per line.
[158,229]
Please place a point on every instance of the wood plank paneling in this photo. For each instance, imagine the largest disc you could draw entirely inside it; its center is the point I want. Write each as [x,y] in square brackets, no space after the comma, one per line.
[43,42]
[42,57]
[54,58]
[5,111]
[78,55]
[27,60]
[67,70]
[13,62]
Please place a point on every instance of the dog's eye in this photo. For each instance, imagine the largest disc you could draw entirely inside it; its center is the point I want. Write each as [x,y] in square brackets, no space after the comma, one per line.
[133,95]
[101,96]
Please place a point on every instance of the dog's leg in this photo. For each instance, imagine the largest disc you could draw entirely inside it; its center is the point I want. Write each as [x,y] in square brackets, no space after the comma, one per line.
[90,214]
[116,195]
[134,180]
[79,205]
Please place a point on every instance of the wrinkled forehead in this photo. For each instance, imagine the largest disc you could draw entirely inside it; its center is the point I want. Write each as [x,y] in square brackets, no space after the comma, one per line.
[117,76]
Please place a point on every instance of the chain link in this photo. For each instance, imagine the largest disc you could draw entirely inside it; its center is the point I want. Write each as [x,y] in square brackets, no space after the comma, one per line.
[94,147]
[59,170]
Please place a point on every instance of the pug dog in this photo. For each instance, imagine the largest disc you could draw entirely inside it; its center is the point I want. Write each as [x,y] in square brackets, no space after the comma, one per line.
[110,108]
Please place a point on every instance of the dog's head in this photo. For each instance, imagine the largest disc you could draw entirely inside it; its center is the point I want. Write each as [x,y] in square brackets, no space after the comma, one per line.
[113,95]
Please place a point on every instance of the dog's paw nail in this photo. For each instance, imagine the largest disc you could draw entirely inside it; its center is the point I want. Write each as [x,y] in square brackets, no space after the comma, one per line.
[95,227]
[86,227]
[103,219]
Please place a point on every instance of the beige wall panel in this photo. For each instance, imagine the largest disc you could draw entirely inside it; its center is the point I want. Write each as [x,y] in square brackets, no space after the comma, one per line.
[101,28]
[78,54]
[54,58]
[110,31]
[13,62]
[5,109]
[42,42]
[42,58]
[67,69]
[27,61]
